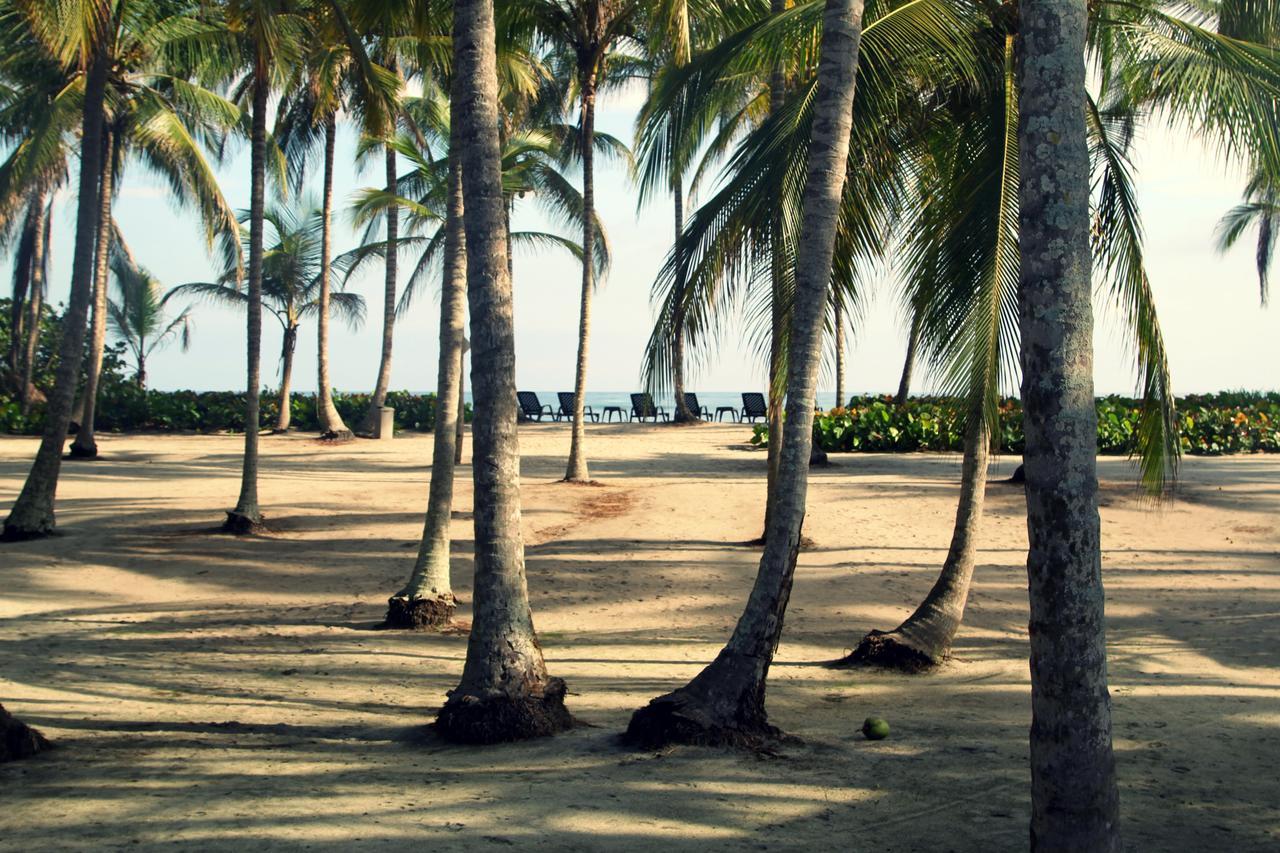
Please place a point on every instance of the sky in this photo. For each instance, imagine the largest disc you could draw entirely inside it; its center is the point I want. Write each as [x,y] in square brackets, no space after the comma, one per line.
[1217,335]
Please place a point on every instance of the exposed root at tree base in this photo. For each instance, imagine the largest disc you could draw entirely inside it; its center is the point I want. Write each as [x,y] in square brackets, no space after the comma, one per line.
[239,524]
[572,482]
[17,739]
[419,614]
[75,451]
[806,543]
[504,718]
[678,719]
[818,458]
[337,436]
[888,650]
[25,534]
[1019,475]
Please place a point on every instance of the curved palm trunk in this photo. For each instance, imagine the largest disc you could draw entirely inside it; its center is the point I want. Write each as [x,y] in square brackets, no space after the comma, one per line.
[426,601]
[924,639]
[85,445]
[32,514]
[1075,804]
[908,367]
[460,423]
[505,692]
[24,266]
[247,515]
[577,470]
[285,415]
[18,740]
[724,704]
[331,425]
[841,399]
[681,408]
[379,398]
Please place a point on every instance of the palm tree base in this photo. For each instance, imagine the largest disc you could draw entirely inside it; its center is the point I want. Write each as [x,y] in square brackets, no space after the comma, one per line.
[81,451]
[419,614]
[680,717]
[17,739]
[337,436]
[240,524]
[501,718]
[890,650]
[20,530]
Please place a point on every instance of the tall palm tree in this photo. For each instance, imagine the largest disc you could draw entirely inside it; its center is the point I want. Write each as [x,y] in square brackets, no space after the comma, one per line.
[505,692]
[725,702]
[291,269]
[265,44]
[1074,798]
[83,40]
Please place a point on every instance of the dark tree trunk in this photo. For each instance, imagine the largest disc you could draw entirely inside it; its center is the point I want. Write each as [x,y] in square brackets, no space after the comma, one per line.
[285,416]
[460,423]
[35,307]
[924,639]
[24,266]
[908,367]
[724,704]
[85,445]
[389,287]
[427,601]
[18,740]
[681,409]
[577,471]
[331,424]
[247,516]
[505,692]
[1075,804]
[32,514]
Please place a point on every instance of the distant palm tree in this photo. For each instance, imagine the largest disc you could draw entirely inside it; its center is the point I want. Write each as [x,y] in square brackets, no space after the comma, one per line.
[291,276]
[1260,209]
[138,315]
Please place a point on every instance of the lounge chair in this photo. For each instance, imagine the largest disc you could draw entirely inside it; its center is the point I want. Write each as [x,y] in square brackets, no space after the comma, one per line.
[753,407]
[531,408]
[691,403]
[642,407]
[567,407]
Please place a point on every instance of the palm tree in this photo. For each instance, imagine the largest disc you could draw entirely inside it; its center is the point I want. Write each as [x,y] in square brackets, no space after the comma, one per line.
[139,318]
[266,35]
[291,273]
[1074,800]
[725,702]
[1260,209]
[505,692]
[83,40]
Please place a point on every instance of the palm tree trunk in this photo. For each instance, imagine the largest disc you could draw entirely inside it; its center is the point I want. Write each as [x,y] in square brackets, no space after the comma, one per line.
[505,692]
[924,639]
[24,264]
[17,740]
[681,408]
[331,425]
[841,400]
[908,367]
[724,704]
[427,601]
[460,423]
[285,415]
[1075,804]
[85,445]
[379,398]
[35,303]
[247,515]
[32,514]
[577,470]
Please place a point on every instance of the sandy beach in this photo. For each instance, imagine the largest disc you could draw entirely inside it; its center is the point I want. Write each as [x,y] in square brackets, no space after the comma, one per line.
[214,693]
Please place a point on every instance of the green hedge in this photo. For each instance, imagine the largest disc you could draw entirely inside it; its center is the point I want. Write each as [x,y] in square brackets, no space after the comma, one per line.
[1210,424]
[124,407]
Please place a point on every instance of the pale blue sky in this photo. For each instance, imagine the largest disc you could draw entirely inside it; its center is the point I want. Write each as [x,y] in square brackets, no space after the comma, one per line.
[1218,336]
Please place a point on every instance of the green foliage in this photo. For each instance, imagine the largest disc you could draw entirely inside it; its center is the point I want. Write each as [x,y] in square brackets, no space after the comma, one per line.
[1211,424]
[125,407]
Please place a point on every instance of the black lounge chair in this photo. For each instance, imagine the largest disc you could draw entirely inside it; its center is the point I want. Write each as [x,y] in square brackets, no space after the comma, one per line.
[566,408]
[642,407]
[753,407]
[531,408]
[691,403]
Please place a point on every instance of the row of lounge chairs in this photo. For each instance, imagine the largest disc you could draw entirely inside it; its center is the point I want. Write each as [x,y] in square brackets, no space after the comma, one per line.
[642,408]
